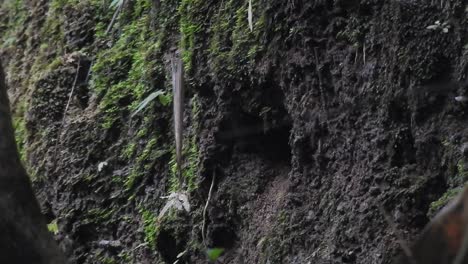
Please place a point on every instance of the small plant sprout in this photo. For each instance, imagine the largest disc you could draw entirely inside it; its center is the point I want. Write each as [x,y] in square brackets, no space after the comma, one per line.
[444,27]
[461,99]
[53,227]
[158,94]
[179,256]
[102,165]
[214,253]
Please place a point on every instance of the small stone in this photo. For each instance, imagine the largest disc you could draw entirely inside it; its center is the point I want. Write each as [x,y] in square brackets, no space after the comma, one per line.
[461,99]
[110,243]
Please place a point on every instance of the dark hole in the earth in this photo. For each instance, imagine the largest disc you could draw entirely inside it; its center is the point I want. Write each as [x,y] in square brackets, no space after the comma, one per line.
[252,134]
[167,246]
[82,89]
[48,212]
[222,236]
[86,232]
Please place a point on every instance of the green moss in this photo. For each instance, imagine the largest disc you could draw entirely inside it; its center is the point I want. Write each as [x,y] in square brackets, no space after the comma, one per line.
[143,162]
[107,260]
[128,151]
[89,178]
[19,125]
[122,73]
[188,28]
[99,215]
[444,200]
[462,172]
[150,146]
[150,227]
[125,256]
[233,46]
[190,153]
[15,18]
[142,132]
[189,171]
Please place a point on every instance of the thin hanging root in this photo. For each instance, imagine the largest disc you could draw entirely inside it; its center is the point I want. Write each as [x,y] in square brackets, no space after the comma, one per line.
[114,18]
[364,52]
[62,125]
[72,90]
[206,208]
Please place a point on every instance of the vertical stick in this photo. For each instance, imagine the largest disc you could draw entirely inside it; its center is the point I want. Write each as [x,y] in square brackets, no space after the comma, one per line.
[178,90]
[250,15]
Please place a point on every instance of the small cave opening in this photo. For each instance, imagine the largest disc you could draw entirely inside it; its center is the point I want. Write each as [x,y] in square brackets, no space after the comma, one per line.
[222,236]
[167,246]
[252,134]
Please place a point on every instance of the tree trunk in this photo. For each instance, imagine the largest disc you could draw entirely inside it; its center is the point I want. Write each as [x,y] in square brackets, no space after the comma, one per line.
[24,236]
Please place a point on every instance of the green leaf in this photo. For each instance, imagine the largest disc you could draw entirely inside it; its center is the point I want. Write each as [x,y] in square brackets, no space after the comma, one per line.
[214,253]
[53,227]
[148,100]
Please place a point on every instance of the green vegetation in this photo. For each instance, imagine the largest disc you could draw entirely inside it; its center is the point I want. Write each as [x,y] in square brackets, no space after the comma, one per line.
[129,67]
[19,125]
[444,200]
[188,28]
[99,215]
[456,184]
[214,253]
[53,227]
[189,171]
[150,227]
[143,162]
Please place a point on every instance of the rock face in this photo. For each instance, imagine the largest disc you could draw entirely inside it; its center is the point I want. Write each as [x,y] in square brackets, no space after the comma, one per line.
[323,114]
[25,238]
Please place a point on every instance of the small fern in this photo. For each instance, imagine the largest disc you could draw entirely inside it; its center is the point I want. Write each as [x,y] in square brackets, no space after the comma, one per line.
[163,99]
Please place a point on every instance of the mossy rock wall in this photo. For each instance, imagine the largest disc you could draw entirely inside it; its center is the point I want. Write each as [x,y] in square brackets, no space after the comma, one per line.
[322,113]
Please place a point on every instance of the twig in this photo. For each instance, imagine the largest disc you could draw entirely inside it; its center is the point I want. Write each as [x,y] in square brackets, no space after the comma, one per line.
[88,74]
[72,91]
[140,246]
[401,241]
[364,52]
[114,17]
[62,124]
[206,207]
[178,90]
[356,56]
